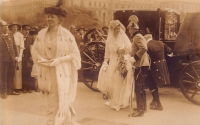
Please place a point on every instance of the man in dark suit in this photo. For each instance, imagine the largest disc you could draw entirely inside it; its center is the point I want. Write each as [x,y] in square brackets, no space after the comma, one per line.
[8,56]
[159,75]
[141,59]
[27,80]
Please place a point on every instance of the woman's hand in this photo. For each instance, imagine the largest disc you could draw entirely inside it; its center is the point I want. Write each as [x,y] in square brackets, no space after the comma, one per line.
[56,62]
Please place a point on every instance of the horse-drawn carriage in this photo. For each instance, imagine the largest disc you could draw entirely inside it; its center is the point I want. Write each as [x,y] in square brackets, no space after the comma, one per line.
[184,66]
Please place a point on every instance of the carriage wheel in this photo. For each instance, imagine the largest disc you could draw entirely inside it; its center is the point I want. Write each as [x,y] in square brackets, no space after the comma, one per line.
[92,55]
[190,82]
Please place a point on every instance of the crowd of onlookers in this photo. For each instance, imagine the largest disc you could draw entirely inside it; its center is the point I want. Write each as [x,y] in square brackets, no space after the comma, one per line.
[25,76]
[83,35]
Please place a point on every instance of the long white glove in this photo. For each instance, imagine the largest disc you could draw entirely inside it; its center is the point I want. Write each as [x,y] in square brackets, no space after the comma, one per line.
[59,60]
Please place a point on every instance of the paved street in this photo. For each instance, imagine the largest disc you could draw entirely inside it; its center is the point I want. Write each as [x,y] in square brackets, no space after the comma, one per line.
[30,109]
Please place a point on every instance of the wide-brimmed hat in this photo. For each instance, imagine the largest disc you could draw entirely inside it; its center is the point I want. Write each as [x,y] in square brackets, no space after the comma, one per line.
[57,10]
[26,26]
[14,24]
[34,30]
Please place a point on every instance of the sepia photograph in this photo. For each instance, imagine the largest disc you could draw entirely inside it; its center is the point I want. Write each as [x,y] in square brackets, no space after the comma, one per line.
[99,62]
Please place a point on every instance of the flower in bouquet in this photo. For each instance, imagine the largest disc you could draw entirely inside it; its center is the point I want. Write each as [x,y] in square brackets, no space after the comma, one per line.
[121,63]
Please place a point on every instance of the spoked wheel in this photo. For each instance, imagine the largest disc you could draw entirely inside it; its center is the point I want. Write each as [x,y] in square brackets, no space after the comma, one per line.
[190,82]
[92,55]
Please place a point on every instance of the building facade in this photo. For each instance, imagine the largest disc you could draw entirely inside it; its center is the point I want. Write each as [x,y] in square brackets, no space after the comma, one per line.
[102,8]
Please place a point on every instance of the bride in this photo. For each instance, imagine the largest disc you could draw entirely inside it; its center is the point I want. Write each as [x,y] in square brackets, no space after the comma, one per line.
[117,66]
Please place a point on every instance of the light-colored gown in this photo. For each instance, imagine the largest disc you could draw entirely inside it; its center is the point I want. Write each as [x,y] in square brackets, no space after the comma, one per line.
[19,41]
[119,88]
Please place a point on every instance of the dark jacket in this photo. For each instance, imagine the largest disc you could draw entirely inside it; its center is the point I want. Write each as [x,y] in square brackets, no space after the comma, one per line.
[158,68]
[26,53]
[8,49]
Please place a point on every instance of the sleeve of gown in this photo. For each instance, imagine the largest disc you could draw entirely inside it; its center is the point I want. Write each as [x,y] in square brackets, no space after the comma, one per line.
[75,53]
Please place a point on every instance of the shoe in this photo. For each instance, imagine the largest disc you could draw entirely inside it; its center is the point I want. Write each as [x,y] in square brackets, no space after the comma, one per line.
[13,93]
[24,91]
[153,103]
[29,91]
[107,103]
[156,107]
[3,96]
[145,110]
[137,113]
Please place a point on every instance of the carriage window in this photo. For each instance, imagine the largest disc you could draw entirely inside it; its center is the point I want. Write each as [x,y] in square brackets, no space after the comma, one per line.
[171,26]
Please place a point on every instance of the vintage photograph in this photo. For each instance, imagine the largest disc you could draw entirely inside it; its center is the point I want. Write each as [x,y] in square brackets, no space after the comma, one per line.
[99,62]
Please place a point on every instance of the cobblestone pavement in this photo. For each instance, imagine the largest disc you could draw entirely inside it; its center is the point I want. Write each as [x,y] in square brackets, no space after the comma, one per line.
[30,109]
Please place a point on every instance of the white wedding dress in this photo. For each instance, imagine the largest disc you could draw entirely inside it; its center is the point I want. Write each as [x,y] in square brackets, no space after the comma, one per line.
[119,88]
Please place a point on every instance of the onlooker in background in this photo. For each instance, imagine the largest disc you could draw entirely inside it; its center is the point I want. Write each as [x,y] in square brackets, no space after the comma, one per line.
[105,30]
[81,32]
[159,75]
[77,36]
[8,56]
[27,80]
[19,41]
[34,32]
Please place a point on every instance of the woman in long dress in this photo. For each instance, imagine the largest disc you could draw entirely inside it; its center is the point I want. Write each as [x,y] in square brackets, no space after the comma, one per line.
[19,41]
[120,80]
[57,58]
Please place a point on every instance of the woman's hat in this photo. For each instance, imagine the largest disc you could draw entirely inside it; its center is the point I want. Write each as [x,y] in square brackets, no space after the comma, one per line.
[14,24]
[57,10]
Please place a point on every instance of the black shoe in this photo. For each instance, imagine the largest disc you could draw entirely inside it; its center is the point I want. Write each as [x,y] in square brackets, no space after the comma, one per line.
[145,110]
[137,113]
[156,107]
[3,96]
[13,93]
[153,103]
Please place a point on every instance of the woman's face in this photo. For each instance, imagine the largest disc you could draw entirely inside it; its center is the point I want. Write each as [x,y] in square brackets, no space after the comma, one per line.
[116,29]
[14,28]
[53,20]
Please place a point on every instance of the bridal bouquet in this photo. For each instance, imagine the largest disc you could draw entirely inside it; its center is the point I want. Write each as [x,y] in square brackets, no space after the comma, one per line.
[121,63]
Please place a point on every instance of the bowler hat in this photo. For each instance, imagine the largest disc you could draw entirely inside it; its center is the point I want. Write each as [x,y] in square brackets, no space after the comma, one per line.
[81,28]
[26,26]
[104,27]
[13,24]
[34,31]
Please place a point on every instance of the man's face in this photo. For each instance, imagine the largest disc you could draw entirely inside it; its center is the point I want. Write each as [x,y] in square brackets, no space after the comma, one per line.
[82,31]
[105,30]
[25,32]
[4,29]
